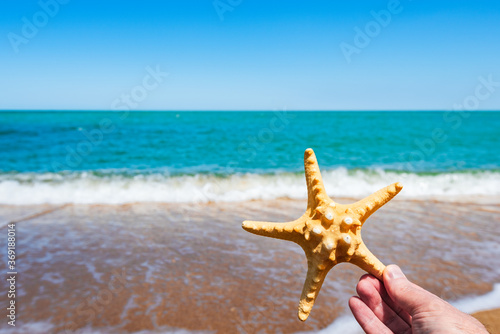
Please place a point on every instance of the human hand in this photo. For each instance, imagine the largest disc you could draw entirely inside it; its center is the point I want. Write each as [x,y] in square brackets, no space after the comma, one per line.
[399,306]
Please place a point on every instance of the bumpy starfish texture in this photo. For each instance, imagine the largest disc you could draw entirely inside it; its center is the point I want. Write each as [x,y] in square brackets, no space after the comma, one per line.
[329,232]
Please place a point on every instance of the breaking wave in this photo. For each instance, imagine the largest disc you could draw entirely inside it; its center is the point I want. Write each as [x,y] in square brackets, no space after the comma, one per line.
[115,187]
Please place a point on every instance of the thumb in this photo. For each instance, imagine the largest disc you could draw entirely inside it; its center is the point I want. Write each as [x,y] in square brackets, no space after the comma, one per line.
[410,297]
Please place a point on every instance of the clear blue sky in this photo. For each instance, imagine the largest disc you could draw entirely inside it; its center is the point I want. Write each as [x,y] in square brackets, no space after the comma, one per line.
[263,55]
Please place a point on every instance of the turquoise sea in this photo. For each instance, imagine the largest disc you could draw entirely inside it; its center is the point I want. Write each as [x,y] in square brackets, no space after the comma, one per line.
[120,157]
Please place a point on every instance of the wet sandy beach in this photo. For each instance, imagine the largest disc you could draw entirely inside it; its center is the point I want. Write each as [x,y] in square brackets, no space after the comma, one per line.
[165,267]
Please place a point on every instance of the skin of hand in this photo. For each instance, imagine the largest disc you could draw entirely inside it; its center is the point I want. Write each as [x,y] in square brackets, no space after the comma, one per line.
[399,306]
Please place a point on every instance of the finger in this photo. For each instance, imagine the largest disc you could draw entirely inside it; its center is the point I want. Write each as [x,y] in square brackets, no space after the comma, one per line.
[366,318]
[409,296]
[379,286]
[372,298]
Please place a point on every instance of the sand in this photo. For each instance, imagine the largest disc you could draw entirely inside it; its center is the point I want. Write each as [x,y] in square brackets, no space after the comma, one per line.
[150,266]
[490,319]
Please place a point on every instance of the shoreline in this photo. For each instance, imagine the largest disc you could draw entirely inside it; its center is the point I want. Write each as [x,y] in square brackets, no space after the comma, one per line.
[115,188]
[150,266]
[485,200]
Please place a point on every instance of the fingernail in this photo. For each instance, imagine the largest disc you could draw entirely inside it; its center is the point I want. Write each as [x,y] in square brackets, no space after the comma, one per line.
[395,272]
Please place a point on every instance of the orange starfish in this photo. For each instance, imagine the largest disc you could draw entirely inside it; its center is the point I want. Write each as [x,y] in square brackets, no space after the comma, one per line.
[329,232]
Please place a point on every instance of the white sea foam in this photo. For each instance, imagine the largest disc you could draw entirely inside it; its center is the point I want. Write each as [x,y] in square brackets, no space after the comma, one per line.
[488,301]
[345,324]
[110,188]
[47,327]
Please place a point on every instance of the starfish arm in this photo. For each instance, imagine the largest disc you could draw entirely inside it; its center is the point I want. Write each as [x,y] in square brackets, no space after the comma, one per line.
[315,187]
[364,259]
[316,273]
[288,231]
[372,203]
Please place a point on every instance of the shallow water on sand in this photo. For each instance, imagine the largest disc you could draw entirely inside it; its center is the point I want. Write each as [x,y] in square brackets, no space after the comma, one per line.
[166,267]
